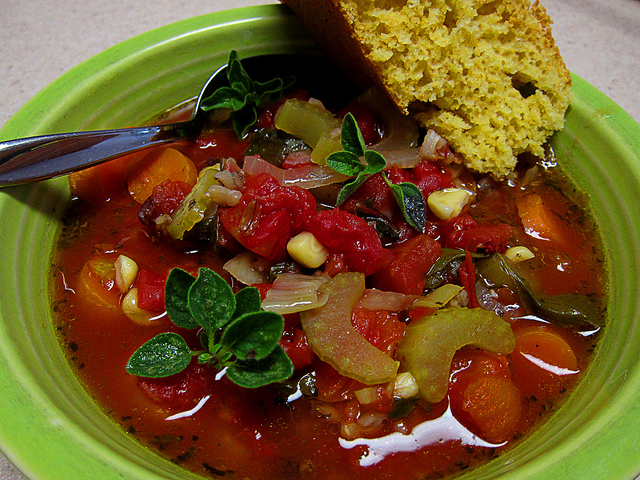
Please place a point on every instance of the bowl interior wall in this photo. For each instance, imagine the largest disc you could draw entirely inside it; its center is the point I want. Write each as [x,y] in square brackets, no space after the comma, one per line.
[51,428]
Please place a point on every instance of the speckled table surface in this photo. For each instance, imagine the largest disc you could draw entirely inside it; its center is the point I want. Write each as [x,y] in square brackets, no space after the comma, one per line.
[40,40]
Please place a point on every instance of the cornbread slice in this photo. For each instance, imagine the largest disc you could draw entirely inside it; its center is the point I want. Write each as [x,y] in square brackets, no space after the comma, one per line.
[486,75]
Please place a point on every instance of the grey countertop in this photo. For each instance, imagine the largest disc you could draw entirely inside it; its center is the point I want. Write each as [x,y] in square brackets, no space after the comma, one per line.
[40,40]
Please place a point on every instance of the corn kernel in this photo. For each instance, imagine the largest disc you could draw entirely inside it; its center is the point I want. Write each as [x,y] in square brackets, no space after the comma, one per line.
[131,309]
[519,254]
[405,386]
[126,272]
[305,249]
[448,202]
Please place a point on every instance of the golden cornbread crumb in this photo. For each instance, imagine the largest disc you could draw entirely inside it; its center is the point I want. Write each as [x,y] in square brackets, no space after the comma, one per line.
[486,75]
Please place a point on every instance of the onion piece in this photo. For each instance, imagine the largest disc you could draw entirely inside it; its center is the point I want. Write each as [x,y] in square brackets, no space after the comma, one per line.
[248,268]
[307,176]
[223,195]
[407,158]
[430,145]
[401,130]
[371,419]
[382,300]
[295,292]
[435,148]
[232,180]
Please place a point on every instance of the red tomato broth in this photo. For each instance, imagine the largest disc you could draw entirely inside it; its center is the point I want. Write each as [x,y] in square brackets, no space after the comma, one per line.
[259,433]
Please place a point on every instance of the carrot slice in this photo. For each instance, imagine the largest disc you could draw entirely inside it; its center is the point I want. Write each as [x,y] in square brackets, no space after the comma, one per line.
[543,362]
[156,167]
[540,221]
[96,283]
[97,184]
[494,404]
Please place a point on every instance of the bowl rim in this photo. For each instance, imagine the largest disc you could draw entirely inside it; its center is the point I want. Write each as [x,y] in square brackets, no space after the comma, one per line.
[609,120]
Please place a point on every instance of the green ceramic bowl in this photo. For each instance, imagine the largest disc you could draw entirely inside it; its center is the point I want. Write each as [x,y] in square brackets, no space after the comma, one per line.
[49,427]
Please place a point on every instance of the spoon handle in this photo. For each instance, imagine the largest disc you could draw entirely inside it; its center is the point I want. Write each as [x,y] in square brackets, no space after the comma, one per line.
[36,158]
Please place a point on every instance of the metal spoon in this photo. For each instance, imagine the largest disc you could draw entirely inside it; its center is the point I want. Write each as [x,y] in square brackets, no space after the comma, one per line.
[37,158]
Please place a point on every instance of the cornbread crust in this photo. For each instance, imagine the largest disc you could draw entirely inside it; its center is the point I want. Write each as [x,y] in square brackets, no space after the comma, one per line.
[486,75]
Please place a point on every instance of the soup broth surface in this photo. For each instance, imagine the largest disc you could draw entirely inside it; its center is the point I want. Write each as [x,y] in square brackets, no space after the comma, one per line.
[319,423]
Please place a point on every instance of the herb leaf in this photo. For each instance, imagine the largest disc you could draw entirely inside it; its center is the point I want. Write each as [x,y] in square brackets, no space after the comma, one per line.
[244,96]
[225,97]
[165,354]
[275,367]
[411,202]
[247,300]
[348,160]
[211,300]
[375,162]
[346,163]
[254,335]
[351,136]
[348,189]
[176,298]
[243,120]
[237,333]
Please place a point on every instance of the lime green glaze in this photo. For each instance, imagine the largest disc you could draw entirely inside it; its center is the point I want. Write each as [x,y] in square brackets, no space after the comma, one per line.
[51,429]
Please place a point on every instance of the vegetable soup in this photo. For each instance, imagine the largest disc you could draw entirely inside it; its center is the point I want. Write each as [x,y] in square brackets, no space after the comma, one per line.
[320,289]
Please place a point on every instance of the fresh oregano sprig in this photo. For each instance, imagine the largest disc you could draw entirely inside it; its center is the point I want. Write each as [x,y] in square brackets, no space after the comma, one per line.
[411,202]
[348,162]
[244,96]
[237,335]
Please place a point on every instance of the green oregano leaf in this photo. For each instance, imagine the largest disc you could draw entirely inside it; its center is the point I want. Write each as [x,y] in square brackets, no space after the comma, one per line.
[254,335]
[225,97]
[351,136]
[275,367]
[164,355]
[411,202]
[244,96]
[204,340]
[346,163]
[176,301]
[237,76]
[237,333]
[204,358]
[243,120]
[211,301]
[562,309]
[247,300]
[375,162]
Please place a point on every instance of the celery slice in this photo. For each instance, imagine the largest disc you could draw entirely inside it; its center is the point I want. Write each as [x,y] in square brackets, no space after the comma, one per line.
[430,342]
[295,292]
[439,297]
[195,205]
[329,142]
[333,338]
[305,120]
